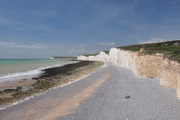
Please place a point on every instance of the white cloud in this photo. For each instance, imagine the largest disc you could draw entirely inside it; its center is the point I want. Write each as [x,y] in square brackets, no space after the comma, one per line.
[108,43]
[80,51]
[17,45]
[94,51]
[76,51]
[9,3]
[103,12]
[81,45]
[152,40]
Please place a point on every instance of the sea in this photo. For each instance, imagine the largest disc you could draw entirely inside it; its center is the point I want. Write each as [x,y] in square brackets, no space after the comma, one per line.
[18,69]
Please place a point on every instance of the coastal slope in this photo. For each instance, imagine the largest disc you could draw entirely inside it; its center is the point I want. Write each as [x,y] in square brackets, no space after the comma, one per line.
[143,65]
[110,93]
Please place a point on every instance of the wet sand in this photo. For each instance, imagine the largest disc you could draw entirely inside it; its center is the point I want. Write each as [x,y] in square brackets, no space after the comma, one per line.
[13,84]
[51,77]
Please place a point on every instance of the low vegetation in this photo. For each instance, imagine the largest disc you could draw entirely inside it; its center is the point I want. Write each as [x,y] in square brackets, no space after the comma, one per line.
[170,49]
[90,55]
[107,51]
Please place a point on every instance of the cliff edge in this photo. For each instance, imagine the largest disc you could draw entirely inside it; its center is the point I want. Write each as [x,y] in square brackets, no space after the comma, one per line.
[143,65]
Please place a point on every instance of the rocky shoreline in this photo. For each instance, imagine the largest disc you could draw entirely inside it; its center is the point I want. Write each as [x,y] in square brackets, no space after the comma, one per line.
[50,78]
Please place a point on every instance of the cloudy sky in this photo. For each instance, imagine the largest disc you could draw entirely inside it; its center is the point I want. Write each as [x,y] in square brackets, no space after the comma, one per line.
[44,28]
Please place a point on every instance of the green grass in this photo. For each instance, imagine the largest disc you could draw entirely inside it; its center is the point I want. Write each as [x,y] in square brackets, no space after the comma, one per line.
[168,49]
[107,51]
[87,55]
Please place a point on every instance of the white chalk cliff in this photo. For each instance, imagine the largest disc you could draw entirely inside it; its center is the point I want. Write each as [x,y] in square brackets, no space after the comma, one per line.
[153,66]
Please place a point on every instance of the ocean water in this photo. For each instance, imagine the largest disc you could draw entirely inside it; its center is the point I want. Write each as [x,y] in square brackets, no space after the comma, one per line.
[17,69]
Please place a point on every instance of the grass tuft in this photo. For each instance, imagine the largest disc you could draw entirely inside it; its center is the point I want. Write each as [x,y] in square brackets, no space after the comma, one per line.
[168,49]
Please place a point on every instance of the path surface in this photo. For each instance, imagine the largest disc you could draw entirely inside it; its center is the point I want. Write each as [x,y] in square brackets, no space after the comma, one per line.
[101,96]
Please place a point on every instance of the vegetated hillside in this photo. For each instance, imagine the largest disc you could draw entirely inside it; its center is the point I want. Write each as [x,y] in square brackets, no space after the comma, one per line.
[63,58]
[170,49]
[90,55]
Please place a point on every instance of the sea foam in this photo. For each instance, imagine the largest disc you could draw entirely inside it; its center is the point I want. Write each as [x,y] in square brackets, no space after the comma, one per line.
[28,74]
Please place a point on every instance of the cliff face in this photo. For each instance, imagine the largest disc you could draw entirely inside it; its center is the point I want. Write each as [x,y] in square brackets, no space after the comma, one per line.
[153,66]
[102,56]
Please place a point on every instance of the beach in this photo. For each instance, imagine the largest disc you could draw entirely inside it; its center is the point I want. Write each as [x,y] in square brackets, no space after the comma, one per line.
[109,93]
[89,59]
[12,91]
[16,69]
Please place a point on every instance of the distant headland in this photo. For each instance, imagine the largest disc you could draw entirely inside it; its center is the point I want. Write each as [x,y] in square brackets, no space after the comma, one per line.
[67,58]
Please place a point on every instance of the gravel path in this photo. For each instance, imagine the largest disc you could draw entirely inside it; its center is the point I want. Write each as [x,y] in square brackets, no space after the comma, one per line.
[110,93]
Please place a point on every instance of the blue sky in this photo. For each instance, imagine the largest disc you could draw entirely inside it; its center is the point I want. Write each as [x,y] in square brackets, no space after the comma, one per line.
[44,28]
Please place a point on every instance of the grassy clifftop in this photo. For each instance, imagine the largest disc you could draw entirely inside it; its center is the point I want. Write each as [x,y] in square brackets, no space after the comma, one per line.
[170,49]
